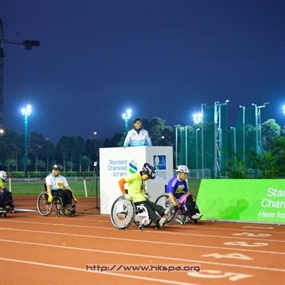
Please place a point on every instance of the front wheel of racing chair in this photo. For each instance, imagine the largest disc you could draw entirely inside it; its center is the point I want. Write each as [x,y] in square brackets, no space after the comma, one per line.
[163,200]
[45,208]
[182,214]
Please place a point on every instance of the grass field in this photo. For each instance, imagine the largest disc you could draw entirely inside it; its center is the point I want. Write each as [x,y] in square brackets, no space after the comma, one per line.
[78,187]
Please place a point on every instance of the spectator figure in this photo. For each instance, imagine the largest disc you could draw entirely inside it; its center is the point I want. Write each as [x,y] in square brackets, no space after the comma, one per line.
[137,136]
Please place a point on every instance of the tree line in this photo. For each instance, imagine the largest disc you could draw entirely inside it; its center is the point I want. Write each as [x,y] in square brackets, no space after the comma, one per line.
[73,152]
[78,154]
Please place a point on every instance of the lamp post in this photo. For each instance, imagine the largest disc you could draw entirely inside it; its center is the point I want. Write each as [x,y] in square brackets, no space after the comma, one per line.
[186,146]
[258,127]
[235,144]
[283,109]
[26,112]
[202,138]
[197,166]
[243,132]
[176,143]
[218,144]
[197,119]
[126,116]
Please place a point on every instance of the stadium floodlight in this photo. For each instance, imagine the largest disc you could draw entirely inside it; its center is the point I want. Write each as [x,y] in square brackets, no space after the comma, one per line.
[197,118]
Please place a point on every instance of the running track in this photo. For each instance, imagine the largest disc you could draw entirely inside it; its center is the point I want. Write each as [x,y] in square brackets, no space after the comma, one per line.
[50,250]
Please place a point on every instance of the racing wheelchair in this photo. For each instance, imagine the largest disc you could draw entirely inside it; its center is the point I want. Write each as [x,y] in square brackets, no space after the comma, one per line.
[125,212]
[180,215]
[7,204]
[45,208]
[5,210]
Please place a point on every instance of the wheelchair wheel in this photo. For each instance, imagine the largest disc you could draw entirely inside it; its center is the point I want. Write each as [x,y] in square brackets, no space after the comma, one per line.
[44,208]
[163,200]
[3,212]
[122,213]
[58,206]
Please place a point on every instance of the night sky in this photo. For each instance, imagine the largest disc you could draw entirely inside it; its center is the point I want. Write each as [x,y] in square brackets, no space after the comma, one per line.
[159,58]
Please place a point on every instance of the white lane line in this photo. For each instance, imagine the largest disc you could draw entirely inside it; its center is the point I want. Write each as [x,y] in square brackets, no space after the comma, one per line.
[25,210]
[154,232]
[164,281]
[146,256]
[176,244]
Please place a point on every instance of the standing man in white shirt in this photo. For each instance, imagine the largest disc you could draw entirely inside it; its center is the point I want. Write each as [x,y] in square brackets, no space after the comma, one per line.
[137,136]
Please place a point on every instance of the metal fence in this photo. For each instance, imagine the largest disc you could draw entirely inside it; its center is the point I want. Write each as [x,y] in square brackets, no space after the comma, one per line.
[211,147]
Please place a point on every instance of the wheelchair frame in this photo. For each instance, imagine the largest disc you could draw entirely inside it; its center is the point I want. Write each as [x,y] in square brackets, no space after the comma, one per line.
[125,212]
[3,212]
[163,200]
[45,208]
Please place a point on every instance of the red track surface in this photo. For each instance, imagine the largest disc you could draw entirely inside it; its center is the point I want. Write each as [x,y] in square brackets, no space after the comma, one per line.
[51,250]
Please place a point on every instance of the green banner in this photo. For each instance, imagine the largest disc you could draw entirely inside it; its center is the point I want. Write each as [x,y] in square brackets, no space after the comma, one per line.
[261,200]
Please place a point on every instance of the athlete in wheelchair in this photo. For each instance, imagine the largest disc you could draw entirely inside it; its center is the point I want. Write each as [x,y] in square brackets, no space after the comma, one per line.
[135,205]
[6,199]
[57,192]
[179,198]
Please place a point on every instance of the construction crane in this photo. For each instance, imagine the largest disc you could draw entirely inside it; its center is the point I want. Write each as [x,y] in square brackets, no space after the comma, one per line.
[28,44]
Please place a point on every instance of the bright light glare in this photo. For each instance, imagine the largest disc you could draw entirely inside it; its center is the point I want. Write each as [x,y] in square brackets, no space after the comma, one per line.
[127,115]
[197,118]
[27,111]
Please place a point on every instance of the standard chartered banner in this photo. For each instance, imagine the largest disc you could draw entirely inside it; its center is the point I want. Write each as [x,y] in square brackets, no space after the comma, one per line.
[251,200]
[118,162]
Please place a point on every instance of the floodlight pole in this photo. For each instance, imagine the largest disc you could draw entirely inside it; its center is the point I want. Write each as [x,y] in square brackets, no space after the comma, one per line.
[126,116]
[243,132]
[197,166]
[235,144]
[258,127]
[218,136]
[202,138]
[186,146]
[26,112]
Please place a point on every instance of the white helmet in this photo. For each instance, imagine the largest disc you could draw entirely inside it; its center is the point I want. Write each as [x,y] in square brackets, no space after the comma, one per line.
[3,175]
[182,169]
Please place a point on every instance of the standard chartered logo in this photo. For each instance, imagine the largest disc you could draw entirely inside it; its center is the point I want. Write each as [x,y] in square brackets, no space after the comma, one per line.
[133,168]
